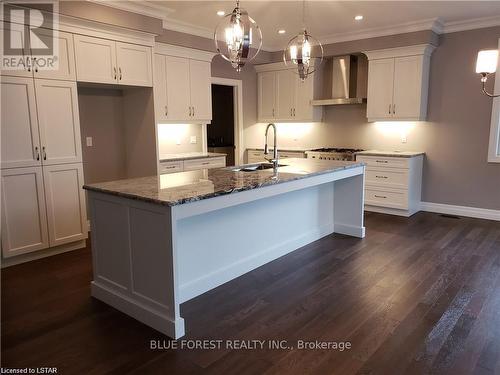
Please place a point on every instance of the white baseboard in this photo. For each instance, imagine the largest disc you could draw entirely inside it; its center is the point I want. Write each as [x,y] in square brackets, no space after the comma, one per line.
[28,257]
[478,213]
[349,230]
[144,314]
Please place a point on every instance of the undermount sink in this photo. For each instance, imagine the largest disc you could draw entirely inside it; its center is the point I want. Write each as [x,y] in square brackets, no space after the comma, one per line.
[255,167]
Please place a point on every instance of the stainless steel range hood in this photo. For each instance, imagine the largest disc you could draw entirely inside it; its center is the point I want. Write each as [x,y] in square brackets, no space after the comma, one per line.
[345,80]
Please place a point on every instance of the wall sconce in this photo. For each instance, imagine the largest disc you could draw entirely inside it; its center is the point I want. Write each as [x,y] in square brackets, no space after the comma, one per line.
[486,63]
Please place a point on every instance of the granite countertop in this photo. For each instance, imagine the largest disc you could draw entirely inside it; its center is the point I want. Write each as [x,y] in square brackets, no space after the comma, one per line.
[400,154]
[184,187]
[190,155]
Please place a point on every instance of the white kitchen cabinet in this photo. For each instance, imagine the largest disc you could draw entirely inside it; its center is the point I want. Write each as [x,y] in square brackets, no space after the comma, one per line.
[19,133]
[257,156]
[283,97]
[266,96]
[24,218]
[380,89]
[59,122]
[66,69]
[285,94]
[182,88]
[95,59]
[178,88]
[393,184]
[134,64]
[174,166]
[17,34]
[106,61]
[200,81]
[65,198]
[398,80]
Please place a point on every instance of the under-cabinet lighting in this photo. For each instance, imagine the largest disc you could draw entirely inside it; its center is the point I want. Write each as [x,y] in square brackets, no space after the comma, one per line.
[293,130]
[395,128]
[358,17]
[172,132]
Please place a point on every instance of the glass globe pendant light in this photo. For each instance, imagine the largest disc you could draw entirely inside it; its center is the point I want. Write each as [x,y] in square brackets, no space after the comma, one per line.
[304,51]
[238,38]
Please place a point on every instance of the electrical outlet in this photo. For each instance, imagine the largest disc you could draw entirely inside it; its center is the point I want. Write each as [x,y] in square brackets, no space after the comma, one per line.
[178,141]
[404,138]
[193,139]
[89,141]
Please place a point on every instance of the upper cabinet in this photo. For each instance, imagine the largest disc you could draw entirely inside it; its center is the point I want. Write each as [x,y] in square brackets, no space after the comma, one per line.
[182,85]
[106,61]
[398,80]
[283,96]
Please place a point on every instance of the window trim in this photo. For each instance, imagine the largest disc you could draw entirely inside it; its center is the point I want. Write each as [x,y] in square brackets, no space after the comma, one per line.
[494,143]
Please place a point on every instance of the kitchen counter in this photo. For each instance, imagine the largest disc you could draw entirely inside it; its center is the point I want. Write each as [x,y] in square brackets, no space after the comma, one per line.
[399,154]
[184,187]
[162,240]
[189,156]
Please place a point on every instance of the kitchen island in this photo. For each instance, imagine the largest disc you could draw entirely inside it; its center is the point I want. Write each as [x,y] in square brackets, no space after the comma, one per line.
[159,241]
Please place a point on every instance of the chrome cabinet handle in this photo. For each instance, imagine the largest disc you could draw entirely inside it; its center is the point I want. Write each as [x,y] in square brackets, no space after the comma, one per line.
[44,153]
[294,112]
[381,161]
[120,70]
[380,196]
[37,153]
[193,111]
[34,63]
[170,167]
[394,109]
[166,110]
[114,70]
[381,176]
[390,106]
[205,163]
[291,112]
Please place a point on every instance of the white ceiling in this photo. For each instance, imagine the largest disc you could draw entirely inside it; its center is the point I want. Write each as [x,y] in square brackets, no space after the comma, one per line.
[329,21]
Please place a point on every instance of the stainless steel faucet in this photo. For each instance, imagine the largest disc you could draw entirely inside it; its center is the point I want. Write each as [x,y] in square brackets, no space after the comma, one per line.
[274,160]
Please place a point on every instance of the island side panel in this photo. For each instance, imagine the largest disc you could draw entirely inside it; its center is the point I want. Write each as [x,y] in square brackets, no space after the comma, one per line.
[349,198]
[133,256]
[217,246]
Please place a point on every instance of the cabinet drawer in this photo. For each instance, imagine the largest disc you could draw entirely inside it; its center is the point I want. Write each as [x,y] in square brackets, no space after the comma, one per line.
[375,161]
[171,167]
[288,154]
[256,156]
[190,165]
[386,198]
[392,177]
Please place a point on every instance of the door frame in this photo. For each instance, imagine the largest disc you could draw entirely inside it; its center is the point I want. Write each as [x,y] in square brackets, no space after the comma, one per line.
[237,86]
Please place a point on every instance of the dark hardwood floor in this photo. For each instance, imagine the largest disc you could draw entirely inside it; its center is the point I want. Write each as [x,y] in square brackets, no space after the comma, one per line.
[416,296]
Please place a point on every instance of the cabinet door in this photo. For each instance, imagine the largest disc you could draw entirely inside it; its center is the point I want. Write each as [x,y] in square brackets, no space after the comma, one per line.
[65,58]
[178,90]
[201,90]
[160,88]
[285,95]
[17,35]
[407,87]
[19,132]
[380,88]
[95,60]
[67,218]
[303,109]
[266,95]
[24,219]
[134,65]
[58,121]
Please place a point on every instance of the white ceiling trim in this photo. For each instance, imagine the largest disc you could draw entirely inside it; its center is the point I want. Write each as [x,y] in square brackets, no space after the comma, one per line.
[437,25]
[476,23]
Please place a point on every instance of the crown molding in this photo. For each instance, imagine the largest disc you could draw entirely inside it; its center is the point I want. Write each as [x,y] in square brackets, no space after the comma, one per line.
[471,24]
[149,9]
[179,51]
[170,23]
[415,50]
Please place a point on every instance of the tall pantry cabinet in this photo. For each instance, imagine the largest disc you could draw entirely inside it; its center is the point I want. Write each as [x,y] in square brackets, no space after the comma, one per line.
[43,203]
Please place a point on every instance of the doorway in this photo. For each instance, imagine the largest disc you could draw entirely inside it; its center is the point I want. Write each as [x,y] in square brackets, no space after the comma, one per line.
[224,133]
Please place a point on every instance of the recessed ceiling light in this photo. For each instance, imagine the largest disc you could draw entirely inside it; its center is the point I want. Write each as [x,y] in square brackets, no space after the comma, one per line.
[281,31]
[221,13]
[358,18]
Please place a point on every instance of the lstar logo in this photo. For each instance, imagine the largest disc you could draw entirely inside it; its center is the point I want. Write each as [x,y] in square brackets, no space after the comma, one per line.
[30,35]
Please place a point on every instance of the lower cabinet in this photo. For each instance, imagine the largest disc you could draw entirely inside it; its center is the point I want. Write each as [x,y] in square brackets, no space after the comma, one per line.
[42,207]
[257,156]
[393,185]
[192,164]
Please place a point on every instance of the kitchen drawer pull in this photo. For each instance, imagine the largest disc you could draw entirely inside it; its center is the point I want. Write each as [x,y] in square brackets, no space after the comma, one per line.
[381,176]
[382,161]
[205,163]
[170,167]
[380,196]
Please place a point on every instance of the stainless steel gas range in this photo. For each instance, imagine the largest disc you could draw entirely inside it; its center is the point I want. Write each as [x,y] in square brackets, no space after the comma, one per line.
[333,153]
